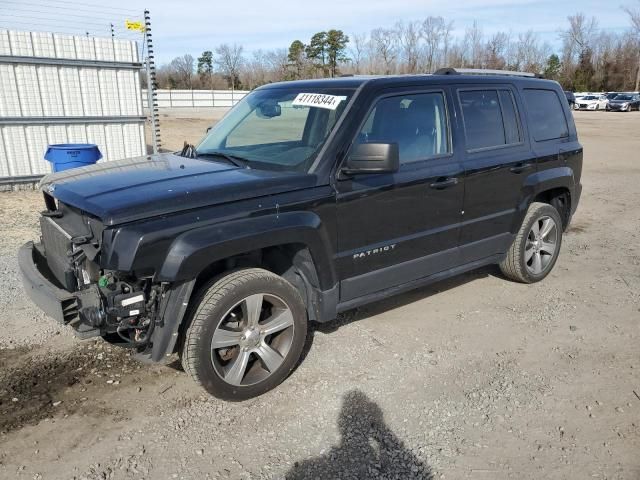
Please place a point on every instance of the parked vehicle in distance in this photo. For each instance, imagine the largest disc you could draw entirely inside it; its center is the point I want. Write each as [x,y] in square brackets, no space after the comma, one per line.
[624,102]
[307,199]
[591,102]
[571,98]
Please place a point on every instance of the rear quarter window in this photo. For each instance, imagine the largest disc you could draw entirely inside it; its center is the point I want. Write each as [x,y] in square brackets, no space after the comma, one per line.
[546,116]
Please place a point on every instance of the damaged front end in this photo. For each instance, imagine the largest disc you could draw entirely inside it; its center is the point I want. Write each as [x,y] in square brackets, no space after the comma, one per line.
[62,275]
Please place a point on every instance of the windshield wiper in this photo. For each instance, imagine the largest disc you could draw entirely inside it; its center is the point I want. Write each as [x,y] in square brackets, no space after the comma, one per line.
[236,160]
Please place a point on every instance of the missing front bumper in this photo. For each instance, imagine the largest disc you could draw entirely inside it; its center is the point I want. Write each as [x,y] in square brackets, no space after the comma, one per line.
[55,302]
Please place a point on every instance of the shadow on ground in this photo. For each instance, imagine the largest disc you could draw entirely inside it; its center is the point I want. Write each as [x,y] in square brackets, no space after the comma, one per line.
[367,449]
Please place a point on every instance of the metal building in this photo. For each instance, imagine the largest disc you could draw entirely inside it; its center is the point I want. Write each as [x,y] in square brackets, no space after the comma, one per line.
[57,88]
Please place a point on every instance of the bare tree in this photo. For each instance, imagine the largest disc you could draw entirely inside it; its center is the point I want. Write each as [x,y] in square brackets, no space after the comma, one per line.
[579,34]
[385,46]
[278,62]
[446,44]
[634,17]
[229,60]
[591,58]
[183,68]
[530,55]
[473,45]
[433,31]
[409,38]
[357,50]
[495,51]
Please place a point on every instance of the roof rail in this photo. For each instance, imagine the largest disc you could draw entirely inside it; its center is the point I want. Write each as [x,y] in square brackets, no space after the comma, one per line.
[481,71]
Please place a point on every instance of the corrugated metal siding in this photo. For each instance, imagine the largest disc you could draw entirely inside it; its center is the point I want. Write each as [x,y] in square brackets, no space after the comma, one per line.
[37,91]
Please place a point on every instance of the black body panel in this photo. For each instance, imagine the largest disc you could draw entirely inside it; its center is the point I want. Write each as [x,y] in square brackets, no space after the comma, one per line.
[167,218]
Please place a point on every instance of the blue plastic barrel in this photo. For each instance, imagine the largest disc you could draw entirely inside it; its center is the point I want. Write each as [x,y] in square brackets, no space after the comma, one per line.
[64,156]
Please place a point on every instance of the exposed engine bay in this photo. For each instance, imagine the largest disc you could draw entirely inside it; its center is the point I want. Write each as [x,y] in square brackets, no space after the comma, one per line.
[108,302]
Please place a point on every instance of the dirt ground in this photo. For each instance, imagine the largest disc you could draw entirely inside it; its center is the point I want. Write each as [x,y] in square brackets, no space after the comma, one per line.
[476,377]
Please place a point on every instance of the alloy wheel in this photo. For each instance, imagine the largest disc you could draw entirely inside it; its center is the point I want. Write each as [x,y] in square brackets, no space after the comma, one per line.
[252,339]
[541,245]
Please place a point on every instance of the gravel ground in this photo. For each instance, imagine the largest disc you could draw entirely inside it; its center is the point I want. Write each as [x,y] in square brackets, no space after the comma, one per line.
[475,377]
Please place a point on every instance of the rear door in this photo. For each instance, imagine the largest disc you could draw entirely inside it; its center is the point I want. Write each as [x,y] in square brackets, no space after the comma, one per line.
[497,160]
[397,227]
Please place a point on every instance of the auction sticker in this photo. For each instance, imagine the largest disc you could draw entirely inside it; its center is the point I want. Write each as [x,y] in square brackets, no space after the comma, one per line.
[319,100]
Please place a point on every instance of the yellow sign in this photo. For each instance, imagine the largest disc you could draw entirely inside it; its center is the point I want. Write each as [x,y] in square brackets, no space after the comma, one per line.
[139,26]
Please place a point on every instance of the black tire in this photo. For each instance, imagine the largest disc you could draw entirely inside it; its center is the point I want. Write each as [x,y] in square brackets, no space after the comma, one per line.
[515,266]
[212,306]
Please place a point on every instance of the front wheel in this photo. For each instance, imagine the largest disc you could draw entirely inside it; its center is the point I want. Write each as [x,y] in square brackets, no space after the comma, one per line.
[246,334]
[536,247]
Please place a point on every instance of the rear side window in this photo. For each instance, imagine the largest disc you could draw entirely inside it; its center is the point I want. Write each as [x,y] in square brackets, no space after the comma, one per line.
[547,120]
[490,118]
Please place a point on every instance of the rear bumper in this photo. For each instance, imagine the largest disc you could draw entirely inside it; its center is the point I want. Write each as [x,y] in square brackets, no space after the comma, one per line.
[57,303]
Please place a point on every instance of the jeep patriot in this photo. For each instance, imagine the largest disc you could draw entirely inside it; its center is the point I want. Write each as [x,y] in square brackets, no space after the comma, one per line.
[307,199]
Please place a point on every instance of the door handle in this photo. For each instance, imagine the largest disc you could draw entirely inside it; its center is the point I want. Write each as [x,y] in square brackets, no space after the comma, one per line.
[444,183]
[521,167]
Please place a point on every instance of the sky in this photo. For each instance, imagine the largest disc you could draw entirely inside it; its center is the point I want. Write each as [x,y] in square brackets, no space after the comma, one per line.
[197,25]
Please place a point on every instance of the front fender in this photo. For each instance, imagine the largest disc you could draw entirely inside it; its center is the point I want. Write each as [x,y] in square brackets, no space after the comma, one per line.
[191,252]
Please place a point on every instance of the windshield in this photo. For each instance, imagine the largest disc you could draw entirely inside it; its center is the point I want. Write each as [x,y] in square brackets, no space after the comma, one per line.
[277,128]
[623,97]
[589,97]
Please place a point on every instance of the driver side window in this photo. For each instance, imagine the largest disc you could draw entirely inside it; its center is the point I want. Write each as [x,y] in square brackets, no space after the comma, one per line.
[417,123]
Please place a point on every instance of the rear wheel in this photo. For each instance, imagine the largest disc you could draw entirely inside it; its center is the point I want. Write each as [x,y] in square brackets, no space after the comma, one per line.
[536,247]
[247,333]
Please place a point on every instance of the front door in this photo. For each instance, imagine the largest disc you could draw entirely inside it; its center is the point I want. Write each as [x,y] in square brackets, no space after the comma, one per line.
[394,228]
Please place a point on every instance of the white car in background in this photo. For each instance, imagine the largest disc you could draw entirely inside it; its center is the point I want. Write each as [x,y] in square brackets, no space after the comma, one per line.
[591,102]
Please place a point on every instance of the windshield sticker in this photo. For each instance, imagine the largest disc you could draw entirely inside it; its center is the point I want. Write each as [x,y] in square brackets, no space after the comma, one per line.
[319,100]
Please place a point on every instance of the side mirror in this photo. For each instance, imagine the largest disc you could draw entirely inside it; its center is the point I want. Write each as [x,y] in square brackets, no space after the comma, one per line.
[372,158]
[269,110]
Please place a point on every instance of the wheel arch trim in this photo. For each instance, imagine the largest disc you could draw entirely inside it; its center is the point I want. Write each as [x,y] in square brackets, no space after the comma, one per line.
[192,252]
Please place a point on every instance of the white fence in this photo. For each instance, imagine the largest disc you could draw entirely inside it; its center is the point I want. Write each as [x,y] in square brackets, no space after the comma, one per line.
[66,89]
[196,98]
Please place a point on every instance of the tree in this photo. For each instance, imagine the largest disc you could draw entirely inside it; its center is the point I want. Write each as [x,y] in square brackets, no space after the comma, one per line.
[358,50]
[336,45]
[205,63]
[205,66]
[296,57]
[384,45]
[583,78]
[317,51]
[433,31]
[553,67]
[495,51]
[278,63]
[634,17]
[182,70]
[229,60]
[409,38]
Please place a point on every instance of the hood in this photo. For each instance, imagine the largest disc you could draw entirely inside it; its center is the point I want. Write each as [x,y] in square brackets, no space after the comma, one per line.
[133,189]
[620,101]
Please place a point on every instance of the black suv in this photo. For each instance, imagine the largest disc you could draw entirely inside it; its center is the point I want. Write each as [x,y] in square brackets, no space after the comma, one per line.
[307,199]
